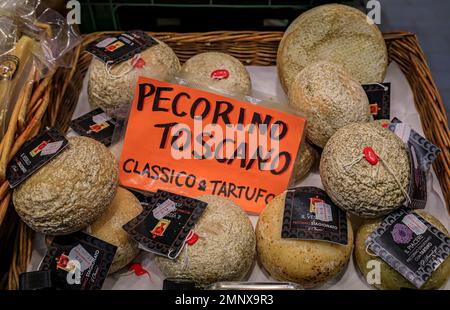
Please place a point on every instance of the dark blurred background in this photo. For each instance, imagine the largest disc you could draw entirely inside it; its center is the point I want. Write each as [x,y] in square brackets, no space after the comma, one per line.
[427,18]
[194,15]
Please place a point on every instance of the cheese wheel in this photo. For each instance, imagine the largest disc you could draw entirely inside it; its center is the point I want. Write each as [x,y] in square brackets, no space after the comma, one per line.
[71,191]
[335,33]
[330,98]
[306,262]
[364,188]
[390,279]
[225,250]
[108,227]
[113,91]
[218,71]
[306,159]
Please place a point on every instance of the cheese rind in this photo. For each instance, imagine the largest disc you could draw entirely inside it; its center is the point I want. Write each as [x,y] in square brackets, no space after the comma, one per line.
[307,262]
[71,191]
[335,33]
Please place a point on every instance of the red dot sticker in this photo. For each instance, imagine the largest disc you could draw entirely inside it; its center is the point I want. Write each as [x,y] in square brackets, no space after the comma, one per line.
[192,239]
[370,156]
[138,269]
[139,64]
[221,74]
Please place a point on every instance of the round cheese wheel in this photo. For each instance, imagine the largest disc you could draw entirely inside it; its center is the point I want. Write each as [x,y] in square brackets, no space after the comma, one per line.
[71,191]
[113,91]
[108,227]
[217,71]
[335,33]
[330,98]
[354,181]
[306,262]
[224,251]
[390,279]
[306,158]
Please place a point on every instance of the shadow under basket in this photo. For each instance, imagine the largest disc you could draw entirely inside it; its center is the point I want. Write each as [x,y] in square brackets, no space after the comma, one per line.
[56,96]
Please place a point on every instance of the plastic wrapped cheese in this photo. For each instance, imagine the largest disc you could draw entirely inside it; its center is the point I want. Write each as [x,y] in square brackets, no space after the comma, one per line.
[365,170]
[306,262]
[225,250]
[71,191]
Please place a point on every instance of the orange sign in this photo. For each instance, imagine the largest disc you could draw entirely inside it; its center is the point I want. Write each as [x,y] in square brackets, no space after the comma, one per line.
[193,143]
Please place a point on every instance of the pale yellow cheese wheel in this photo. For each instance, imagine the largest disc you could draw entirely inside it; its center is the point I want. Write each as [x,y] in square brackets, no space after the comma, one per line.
[125,206]
[306,262]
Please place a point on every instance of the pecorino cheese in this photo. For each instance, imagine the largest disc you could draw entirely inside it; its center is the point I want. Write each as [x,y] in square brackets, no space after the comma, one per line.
[113,91]
[365,170]
[224,251]
[306,159]
[330,98]
[307,262]
[71,191]
[217,70]
[335,33]
[390,279]
[108,227]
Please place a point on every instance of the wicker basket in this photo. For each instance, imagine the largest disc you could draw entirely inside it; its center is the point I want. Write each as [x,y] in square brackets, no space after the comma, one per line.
[55,97]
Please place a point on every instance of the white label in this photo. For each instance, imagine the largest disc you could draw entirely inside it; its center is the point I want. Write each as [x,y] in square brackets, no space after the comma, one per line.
[416,225]
[51,148]
[403,131]
[164,208]
[105,42]
[323,212]
[101,118]
[80,254]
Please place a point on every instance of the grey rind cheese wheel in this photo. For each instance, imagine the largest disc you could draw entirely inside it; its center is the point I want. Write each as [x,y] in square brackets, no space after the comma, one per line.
[114,91]
[330,98]
[306,262]
[225,250]
[306,158]
[71,191]
[200,68]
[390,279]
[366,190]
[108,227]
[335,33]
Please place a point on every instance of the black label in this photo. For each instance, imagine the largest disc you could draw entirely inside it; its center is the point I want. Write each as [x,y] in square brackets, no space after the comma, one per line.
[165,223]
[410,245]
[422,154]
[33,155]
[78,261]
[121,47]
[310,214]
[96,125]
[379,96]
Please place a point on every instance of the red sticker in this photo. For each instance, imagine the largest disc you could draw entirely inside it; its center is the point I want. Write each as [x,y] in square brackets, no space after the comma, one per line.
[385,125]
[220,74]
[139,64]
[138,269]
[192,239]
[370,156]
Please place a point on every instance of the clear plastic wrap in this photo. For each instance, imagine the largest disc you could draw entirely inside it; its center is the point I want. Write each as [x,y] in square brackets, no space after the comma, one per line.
[272,110]
[34,42]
